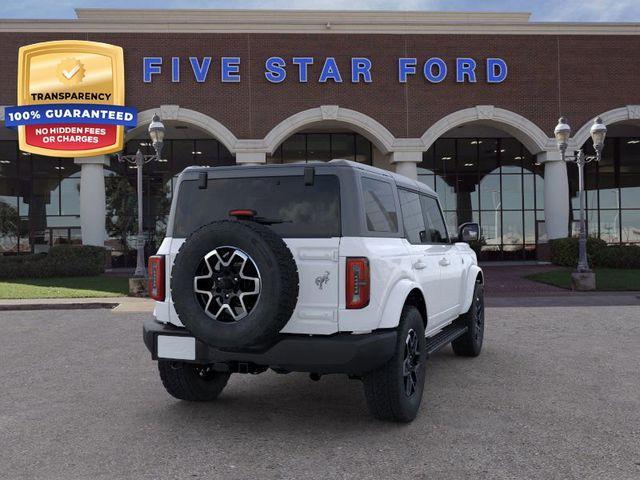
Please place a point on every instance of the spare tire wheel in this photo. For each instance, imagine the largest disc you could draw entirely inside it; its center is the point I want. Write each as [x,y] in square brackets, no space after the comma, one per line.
[234,284]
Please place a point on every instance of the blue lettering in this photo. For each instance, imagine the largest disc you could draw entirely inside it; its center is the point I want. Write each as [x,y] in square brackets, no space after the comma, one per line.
[230,69]
[330,71]
[151,66]
[200,71]
[406,66]
[465,67]
[303,64]
[275,69]
[360,67]
[428,70]
[175,69]
[496,70]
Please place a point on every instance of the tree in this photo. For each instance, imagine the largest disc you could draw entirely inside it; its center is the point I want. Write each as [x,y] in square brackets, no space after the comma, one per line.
[122,213]
[9,222]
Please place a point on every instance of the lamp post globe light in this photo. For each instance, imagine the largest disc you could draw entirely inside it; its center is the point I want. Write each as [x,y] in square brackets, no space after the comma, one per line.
[583,278]
[156,133]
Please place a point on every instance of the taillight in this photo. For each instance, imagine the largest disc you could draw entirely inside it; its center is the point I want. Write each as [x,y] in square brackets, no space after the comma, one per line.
[358,282]
[156,277]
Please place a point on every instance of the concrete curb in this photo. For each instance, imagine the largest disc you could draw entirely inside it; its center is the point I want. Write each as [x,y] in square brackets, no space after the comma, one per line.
[57,306]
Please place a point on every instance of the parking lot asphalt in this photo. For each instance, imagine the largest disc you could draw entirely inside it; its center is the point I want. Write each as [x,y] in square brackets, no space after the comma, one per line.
[555,394]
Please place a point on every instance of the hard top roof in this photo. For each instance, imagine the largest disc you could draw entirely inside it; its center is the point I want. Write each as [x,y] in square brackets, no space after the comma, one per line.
[400,180]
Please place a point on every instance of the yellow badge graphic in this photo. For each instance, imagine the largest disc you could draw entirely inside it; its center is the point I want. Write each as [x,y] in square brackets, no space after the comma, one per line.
[70,71]
[71,99]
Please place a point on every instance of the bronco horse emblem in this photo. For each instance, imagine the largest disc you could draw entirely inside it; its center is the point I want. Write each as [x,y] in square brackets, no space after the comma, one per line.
[322,280]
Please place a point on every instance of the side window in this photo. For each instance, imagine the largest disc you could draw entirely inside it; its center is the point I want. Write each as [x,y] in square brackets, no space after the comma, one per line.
[412,217]
[436,230]
[379,205]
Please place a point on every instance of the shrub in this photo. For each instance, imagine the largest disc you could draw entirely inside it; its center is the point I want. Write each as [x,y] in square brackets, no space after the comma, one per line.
[564,252]
[61,261]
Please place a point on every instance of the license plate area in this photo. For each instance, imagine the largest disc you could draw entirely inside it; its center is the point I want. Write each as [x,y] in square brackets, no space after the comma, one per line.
[176,347]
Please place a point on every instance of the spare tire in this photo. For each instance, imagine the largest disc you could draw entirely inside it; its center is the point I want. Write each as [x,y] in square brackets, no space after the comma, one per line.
[234,284]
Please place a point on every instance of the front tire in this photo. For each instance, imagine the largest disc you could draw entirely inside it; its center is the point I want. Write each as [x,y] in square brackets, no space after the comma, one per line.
[470,344]
[191,382]
[394,391]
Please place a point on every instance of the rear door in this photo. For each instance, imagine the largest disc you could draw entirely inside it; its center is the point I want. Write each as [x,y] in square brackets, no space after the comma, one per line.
[451,268]
[424,258]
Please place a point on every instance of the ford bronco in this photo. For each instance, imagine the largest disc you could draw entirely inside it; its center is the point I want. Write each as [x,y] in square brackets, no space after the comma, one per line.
[323,268]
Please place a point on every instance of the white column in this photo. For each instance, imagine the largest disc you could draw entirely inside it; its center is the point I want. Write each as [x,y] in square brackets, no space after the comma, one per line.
[406,163]
[93,209]
[251,158]
[556,194]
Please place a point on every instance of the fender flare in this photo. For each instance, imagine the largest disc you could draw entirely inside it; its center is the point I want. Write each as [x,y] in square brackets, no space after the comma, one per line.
[395,302]
[470,283]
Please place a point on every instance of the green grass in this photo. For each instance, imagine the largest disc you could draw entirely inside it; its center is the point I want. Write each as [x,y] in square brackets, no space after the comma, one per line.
[70,287]
[607,279]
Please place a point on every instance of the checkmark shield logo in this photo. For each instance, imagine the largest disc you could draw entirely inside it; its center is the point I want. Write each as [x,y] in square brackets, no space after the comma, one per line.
[70,71]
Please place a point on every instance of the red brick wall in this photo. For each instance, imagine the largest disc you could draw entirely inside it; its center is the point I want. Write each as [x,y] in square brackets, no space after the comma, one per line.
[578,76]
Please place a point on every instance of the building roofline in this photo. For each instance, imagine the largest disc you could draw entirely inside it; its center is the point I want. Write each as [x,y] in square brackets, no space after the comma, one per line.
[310,21]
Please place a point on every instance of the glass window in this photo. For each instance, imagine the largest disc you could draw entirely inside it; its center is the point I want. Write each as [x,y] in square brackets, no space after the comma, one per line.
[491,223]
[630,190]
[512,228]
[630,226]
[445,156]
[446,192]
[182,156]
[467,155]
[45,166]
[318,147]
[425,177]
[434,222]
[70,196]
[512,192]
[629,155]
[530,228]
[412,217]
[294,149]
[610,226]
[490,195]
[467,192]
[364,150]
[488,156]
[206,152]
[226,157]
[343,145]
[8,159]
[380,206]
[511,156]
[428,159]
[297,210]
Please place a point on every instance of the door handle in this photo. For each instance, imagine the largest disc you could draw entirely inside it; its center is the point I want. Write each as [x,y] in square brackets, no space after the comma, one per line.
[419,265]
[444,262]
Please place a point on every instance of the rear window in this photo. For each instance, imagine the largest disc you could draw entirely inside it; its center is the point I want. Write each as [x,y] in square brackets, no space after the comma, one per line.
[300,210]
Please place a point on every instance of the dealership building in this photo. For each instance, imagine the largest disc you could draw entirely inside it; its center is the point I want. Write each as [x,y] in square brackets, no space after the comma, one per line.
[464,102]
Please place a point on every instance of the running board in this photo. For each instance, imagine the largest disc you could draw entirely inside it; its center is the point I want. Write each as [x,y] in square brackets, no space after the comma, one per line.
[444,337]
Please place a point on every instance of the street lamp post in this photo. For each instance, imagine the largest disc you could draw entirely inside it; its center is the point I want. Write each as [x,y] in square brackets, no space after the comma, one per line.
[156,133]
[598,132]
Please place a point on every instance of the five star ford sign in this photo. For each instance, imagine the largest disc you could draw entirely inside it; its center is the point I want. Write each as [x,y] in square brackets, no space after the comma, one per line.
[70,99]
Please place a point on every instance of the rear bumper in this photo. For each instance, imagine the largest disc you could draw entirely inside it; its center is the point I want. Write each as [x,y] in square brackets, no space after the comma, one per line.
[339,353]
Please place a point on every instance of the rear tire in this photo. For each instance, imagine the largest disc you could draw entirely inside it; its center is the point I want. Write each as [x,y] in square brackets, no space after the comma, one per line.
[470,344]
[191,382]
[394,391]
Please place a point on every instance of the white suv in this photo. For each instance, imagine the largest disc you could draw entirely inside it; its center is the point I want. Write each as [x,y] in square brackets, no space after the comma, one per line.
[323,268]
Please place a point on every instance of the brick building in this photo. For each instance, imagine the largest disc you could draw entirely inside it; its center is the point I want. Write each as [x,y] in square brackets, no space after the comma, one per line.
[465,102]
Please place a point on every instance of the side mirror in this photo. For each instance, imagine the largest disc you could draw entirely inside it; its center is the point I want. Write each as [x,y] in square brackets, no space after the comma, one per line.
[469,232]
